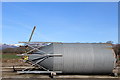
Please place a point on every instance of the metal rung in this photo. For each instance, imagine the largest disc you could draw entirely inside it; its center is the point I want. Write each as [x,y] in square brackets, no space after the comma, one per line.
[55,55]
[40,42]
[38,71]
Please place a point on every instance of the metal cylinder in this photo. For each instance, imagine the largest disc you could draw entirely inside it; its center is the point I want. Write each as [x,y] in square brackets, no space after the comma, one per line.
[83,58]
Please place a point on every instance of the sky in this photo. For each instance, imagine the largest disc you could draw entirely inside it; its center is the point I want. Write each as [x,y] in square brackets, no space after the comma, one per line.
[84,22]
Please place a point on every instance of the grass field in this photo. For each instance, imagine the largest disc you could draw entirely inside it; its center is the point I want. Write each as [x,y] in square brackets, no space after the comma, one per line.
[9,56]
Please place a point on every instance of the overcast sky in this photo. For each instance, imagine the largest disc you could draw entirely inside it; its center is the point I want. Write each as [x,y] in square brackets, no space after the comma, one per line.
[60,22]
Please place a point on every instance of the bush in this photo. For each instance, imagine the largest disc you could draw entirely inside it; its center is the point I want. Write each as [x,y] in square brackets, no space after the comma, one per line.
[116,48]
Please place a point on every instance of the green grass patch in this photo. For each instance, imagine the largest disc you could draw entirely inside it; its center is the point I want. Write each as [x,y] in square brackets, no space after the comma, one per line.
[9,56]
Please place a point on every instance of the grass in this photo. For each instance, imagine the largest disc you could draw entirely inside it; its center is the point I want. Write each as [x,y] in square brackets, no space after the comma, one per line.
[9,56]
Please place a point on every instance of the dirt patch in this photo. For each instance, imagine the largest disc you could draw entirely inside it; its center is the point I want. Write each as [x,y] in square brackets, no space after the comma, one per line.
[13,62]
[11,59]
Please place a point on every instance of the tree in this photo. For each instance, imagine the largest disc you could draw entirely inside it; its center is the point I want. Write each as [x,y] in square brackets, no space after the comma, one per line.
[111,42]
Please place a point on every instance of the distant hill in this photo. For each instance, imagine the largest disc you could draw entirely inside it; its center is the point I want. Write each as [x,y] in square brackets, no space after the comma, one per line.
[4,46]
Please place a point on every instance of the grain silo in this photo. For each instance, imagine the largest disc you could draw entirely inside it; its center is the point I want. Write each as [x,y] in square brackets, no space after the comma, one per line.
[83,58]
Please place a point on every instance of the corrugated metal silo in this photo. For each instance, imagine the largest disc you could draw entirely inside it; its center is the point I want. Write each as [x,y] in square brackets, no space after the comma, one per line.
[83,58]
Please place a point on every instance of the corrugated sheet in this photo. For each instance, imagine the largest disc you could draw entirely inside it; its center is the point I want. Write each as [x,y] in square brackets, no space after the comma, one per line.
[88,58]
[48,63]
